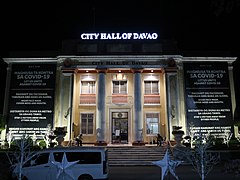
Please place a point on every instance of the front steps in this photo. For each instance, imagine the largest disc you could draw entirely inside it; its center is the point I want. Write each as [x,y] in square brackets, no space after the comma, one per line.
[134,155]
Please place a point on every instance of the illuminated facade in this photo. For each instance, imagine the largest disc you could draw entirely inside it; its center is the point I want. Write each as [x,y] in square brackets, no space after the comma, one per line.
[119,88]
[117,98]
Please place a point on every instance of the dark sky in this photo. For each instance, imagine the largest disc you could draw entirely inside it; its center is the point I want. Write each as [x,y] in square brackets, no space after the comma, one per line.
[196,25]
[206,25]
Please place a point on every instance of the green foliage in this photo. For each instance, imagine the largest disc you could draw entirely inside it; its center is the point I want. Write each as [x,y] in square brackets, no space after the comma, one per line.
[234,143]
[42,144]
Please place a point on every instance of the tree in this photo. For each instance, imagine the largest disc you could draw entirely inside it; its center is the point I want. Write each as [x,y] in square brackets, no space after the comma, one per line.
[202,160]
[9,138]
[21,154]
[191,133]
[227,137]
[49,136]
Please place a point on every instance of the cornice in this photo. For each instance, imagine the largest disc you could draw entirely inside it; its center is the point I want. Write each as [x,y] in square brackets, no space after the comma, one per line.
[177,58]
[30,60]
[209,59]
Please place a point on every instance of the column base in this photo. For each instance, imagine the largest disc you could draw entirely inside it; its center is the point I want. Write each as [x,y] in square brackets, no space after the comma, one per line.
[138,143]
[100,143]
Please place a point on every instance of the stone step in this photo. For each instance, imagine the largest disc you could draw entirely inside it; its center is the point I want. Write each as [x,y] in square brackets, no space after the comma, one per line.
[134,156]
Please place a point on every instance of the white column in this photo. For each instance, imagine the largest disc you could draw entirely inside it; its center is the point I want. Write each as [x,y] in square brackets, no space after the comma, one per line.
[7,90]
[172,101]
[138,121]
[66,96]
[6,98]
[100,117]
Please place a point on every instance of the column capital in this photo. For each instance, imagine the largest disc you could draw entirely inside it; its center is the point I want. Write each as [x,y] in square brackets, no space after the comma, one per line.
[69,71]
[170,69]
[137,70]
[102,70]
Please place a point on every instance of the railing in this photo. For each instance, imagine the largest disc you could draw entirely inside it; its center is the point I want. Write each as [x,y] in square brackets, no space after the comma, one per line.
[87,99]
[119,99]
[152,99]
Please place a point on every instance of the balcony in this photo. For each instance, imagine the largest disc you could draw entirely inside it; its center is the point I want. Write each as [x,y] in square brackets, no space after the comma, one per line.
[90,99]
[119,99]
[151,99]
[87,99]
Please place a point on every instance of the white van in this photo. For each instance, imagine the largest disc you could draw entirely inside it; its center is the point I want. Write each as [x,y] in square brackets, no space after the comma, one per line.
[68,163]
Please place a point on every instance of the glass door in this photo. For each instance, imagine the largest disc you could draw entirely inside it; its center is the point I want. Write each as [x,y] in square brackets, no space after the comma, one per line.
[120,127]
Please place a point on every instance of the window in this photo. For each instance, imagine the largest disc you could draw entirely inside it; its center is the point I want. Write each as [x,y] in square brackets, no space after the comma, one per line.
[88,82]
[151,87]
[58,156]
[152,123]
[84,157]
[151,84]
[87,123]
[119,87]
[88,87]
[37,160]
[81,157]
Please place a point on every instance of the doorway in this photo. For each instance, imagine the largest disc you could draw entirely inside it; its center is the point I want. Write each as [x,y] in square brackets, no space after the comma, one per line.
[120,127]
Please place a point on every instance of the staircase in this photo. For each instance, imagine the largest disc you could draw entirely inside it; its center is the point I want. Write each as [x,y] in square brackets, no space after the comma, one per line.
[134,155]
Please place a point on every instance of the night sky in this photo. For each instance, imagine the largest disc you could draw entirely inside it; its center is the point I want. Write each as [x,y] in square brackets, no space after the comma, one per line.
[206,25]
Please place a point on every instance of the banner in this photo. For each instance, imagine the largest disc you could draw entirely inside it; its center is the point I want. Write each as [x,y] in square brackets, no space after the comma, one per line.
[208,98]
[31,101]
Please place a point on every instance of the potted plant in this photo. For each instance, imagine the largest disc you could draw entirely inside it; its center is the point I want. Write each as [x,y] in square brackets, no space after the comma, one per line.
[60,132]
[178,135]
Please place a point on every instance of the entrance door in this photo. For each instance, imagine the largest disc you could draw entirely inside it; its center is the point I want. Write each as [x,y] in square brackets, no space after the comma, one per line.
[120,127]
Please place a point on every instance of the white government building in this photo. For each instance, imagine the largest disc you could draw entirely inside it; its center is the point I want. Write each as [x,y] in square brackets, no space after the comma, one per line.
[119,92]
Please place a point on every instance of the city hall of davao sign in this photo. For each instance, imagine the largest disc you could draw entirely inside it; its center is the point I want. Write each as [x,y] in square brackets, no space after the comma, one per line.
[123,99]
[119,36]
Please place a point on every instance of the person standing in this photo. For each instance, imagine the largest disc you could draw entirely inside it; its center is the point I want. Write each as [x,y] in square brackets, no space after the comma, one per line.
[79,139]
[159,139]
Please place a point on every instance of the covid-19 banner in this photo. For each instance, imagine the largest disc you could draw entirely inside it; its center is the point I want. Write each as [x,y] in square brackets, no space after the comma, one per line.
[208,98]
[31,98]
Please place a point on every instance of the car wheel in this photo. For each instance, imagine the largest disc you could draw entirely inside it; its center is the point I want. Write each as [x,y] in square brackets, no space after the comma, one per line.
[85,177]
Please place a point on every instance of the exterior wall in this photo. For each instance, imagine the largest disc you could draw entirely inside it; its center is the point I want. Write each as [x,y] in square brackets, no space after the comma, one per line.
[78,109]
[157,108]
[111,107]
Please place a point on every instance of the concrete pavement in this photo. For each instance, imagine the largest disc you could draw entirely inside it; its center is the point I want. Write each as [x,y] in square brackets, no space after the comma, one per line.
[184,172]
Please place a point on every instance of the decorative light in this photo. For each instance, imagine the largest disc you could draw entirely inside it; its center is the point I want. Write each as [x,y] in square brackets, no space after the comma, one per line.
[119,76]
[167,165]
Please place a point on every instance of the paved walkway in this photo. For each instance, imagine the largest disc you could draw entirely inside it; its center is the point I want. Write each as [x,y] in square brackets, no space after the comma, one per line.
[154,173]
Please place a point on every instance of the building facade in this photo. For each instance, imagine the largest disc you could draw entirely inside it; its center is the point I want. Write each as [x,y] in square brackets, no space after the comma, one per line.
[120,98]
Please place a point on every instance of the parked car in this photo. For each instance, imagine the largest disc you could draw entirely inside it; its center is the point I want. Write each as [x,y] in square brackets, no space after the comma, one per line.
[78,163]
